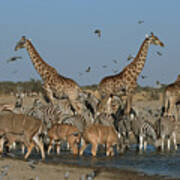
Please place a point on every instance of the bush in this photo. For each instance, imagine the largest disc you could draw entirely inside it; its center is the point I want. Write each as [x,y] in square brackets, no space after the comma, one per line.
[8,87]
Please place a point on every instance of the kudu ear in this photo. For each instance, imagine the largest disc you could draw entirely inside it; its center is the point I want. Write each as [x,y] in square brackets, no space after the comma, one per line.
[146,35]
[23,38]
[152,34]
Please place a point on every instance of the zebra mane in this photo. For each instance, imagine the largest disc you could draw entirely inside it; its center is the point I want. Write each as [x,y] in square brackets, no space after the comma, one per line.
[148,129]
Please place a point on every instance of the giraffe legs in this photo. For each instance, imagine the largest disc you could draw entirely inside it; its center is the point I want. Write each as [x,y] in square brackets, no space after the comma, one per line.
[166,106]
[49,93]
[170,108]
[128,104]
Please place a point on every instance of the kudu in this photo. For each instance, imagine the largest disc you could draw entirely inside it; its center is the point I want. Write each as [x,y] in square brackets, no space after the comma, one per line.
[64,132]
[22,128]
[96,134]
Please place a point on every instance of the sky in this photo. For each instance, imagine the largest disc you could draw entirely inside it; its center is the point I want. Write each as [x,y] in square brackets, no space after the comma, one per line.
[62,31]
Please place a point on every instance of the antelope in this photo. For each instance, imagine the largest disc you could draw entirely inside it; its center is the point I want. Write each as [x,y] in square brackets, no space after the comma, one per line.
[96,134]
[6,107]
[17,107]
[105,119]
[24,128]
[12,138]
[64,132]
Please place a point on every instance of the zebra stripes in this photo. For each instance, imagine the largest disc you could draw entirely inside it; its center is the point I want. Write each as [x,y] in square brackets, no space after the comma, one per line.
[50,113]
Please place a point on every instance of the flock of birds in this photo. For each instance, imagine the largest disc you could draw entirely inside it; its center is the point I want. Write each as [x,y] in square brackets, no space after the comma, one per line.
[130,57]
[97,32]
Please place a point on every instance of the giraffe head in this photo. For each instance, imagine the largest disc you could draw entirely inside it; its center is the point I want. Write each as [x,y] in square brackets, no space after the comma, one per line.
[21,43]
[155,40]
[178,78]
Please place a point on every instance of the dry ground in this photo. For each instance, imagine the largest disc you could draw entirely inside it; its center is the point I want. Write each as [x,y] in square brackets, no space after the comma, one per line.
[20,170]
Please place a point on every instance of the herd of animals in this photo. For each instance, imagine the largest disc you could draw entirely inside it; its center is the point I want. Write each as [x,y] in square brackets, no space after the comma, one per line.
[80,117]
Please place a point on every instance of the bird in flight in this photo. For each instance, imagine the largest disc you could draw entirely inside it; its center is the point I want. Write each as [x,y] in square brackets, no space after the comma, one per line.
[140,22]
[157,82]
[14,58]
[115,70]
[98,32]
[143,77]
[88,69]
[159,53]
[80,74]
[115,61]
[104,66]
[130,57]
[15,71]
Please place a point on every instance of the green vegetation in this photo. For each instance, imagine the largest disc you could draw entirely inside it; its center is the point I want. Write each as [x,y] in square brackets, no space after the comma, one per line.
[33,85]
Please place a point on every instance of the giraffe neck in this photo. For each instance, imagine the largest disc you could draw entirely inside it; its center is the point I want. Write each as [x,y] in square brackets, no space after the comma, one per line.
[140,59]
[40,65]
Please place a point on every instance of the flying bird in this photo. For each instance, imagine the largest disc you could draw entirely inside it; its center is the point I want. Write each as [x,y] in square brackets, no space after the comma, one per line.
[159,85]
[98,32]
[143,77]
[159,53]
[157,82]
[14,58]
[140,22]
[80,74]
[104,66]
[88,69]
[115,61]
[130,57]
[115,71]
[15,71]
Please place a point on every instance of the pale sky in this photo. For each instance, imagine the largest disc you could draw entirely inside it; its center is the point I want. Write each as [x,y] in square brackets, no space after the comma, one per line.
[62,31]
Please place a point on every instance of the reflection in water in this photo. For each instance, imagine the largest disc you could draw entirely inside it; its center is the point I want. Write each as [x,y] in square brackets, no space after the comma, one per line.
[151,162]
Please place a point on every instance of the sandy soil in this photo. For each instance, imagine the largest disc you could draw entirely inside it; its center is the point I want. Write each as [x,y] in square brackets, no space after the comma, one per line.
[13,169]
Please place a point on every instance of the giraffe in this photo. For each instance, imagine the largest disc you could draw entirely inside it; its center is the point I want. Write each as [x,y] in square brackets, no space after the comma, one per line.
[171,98]
[55,85]
[125,82]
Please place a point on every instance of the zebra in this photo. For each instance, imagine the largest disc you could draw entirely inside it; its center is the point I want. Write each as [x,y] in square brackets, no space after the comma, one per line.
[122,122]
[77,121]
[19,100]
[142,129]
[50,113]
[146,131]
[167,129]
[80,120]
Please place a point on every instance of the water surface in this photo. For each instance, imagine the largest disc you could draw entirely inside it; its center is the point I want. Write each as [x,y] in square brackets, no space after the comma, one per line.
[150,163]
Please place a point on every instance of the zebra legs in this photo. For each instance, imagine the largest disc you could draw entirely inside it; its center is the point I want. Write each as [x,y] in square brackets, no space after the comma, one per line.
[169,142]
[140,143]
[174,140]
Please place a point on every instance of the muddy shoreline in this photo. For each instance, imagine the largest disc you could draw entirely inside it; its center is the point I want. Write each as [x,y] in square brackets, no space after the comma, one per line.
[18,169]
